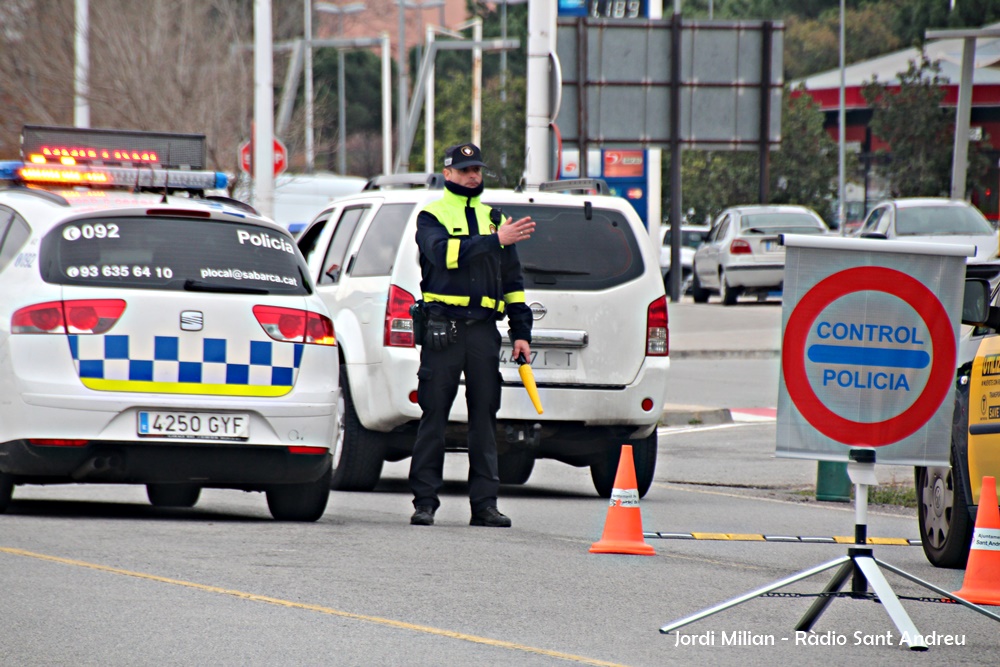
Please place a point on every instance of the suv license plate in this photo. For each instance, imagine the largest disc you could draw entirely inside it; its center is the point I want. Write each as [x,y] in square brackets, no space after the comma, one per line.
[542,358]
[200,425]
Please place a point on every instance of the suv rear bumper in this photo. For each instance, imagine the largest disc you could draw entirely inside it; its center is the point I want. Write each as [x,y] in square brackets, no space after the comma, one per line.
[249,467]
[388,405]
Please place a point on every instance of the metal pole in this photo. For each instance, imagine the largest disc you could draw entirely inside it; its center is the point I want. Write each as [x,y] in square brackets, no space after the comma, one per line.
[263,109]
[386,104]
[477,84]
[960,165]
[401,100]
[503,88]
[429,110]
[310,150]
[676,208]
[841,143]
[341,104]
[764,187]
[81,85]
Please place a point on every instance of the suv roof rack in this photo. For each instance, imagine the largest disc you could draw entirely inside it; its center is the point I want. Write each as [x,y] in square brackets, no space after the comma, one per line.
[410,181]
[585,185]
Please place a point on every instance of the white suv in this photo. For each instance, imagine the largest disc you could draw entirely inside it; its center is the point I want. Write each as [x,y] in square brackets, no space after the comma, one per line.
[599,341]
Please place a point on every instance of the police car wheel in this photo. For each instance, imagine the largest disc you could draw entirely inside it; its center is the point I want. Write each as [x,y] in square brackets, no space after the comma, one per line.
[359,453]
[515,466]
[173,495]
[604,470]
[6,491]
[299,502]
[943,517]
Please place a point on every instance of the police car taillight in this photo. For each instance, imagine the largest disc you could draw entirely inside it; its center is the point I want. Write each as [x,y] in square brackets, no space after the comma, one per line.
[81,316]
[291,325]
[657,335]
[398,322]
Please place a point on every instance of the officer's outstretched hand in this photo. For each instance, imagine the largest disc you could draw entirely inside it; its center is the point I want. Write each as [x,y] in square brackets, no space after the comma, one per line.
[512,232]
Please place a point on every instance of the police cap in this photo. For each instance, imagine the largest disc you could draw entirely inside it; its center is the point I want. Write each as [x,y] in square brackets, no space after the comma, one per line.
[462,156]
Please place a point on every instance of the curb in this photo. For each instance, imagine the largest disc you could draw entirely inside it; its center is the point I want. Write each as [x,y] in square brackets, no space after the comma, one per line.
[688,415]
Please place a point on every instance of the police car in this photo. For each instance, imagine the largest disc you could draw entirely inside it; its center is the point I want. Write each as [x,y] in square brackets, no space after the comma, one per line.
[151,336]
[600,347]
[948,498]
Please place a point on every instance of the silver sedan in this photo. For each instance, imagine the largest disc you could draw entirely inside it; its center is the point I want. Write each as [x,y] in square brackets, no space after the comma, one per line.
[743,253]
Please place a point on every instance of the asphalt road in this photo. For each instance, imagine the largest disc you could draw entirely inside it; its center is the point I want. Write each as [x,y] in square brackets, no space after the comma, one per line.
[93,575]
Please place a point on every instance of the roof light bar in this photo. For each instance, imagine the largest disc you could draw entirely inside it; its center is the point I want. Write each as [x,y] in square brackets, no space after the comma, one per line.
[140,177]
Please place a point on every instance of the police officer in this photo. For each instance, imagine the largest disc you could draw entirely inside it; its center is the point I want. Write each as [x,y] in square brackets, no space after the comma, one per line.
[470,278]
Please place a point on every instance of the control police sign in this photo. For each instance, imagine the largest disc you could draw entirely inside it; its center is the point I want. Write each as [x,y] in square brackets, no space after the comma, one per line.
[869,332]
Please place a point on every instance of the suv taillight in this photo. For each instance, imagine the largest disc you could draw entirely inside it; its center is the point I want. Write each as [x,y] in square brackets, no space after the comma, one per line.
[291,325]
[657,335]
[398,323]
[81,316]
[740,247]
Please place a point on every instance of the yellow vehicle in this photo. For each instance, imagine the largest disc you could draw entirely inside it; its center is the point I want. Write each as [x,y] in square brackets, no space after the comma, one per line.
[948,498]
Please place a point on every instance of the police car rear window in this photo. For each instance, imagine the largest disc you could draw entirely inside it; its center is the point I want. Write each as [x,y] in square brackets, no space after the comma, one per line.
[569,252]
[168,253]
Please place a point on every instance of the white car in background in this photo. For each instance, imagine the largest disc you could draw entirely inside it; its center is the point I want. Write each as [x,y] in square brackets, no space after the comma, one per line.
[151,336]
[692,236]
[938,220]
[743,254]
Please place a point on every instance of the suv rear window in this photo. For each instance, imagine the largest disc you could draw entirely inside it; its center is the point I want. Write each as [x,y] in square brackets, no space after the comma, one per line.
[166,253]
[568,251]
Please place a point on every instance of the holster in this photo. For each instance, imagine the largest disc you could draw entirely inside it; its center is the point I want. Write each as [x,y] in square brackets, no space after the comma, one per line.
[419,314]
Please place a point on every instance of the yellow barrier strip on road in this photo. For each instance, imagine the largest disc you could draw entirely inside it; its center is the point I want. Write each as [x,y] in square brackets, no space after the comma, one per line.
[497,643]
[804,539]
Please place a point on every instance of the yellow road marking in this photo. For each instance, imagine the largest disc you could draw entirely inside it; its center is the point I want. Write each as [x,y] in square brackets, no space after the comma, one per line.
[497,643]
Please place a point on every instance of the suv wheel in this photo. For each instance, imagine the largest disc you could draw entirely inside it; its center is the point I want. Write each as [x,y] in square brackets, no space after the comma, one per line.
[943,515]
[173,495]
[359,453]
[515,466]
[729,294]
[604,470]
[6,491]
[698,293]
[299,502]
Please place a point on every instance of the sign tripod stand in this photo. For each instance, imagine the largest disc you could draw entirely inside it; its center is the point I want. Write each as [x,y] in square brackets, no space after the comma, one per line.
[859,564]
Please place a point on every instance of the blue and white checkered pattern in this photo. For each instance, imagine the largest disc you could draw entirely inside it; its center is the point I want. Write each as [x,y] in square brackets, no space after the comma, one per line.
[172,359]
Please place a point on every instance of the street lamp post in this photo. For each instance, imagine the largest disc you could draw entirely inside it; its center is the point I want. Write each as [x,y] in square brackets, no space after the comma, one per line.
[340,11]
[503,75]
[401,111]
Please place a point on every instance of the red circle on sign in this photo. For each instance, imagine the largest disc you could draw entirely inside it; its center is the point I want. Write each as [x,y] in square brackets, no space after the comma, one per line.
[863,279]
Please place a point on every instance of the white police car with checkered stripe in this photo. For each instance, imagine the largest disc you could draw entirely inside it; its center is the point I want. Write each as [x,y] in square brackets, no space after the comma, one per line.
[149,336]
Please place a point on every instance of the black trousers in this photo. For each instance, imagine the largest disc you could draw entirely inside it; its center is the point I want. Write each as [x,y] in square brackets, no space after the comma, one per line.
[476,352]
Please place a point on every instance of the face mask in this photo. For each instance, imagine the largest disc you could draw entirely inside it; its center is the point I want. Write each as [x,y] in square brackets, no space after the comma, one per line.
[463,191]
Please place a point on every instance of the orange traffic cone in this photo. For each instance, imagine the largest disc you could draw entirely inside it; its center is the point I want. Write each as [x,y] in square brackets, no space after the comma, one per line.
[623,527]
[982,573]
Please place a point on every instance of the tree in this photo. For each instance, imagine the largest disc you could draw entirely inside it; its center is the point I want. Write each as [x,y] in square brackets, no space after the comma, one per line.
[165,66]
[908,117]
[804,169]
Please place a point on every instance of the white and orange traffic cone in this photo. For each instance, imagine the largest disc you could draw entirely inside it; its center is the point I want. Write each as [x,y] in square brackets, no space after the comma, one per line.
[623,527]
[982,572]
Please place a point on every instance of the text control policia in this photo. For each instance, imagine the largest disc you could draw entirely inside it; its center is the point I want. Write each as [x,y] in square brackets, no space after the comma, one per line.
[154,335]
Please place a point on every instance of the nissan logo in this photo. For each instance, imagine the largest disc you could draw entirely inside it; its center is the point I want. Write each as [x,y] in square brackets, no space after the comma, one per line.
[537,311]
